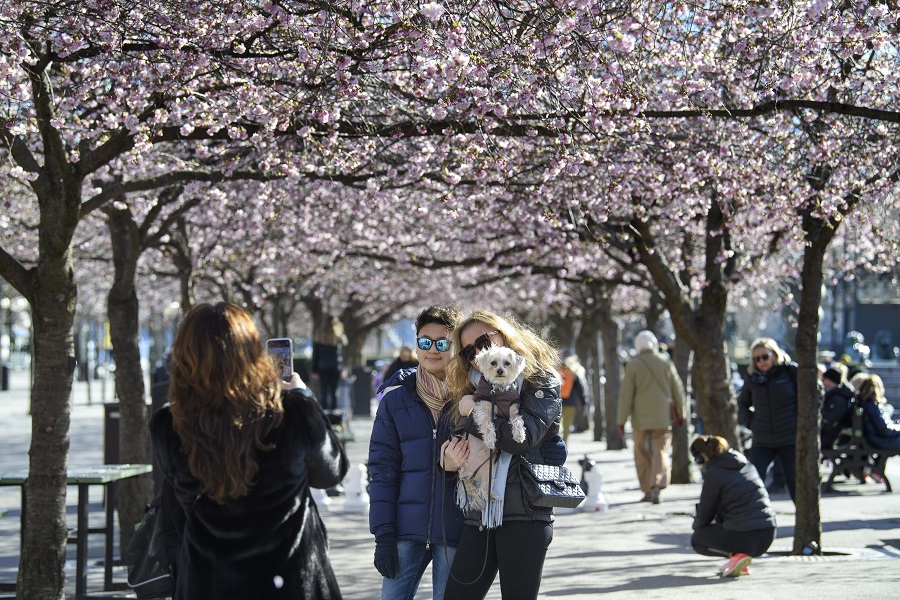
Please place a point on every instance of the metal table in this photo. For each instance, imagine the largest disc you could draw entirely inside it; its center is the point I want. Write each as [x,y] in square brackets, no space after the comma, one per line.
[84,478]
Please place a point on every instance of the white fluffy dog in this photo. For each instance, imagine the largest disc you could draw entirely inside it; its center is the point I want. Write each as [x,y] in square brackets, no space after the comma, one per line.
[500,367]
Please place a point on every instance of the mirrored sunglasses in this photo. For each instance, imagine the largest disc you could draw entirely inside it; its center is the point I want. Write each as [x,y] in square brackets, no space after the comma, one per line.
[425,343]
[482,342]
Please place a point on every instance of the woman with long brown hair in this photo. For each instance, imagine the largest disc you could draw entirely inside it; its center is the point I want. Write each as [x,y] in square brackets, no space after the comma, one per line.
[240,455]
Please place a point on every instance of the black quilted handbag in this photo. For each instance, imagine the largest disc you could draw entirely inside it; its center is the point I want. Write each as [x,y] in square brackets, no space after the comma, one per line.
[550,485]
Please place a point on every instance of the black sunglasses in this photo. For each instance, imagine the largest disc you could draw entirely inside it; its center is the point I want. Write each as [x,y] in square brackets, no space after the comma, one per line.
[761,358]
[482,342]
[425,343]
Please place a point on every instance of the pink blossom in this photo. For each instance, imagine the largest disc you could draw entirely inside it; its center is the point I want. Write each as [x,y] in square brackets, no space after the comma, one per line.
[432,11]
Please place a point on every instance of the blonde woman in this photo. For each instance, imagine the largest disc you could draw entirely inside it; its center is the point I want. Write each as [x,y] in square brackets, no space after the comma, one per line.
[771,391]
[879,432]
[327,363]
[517,548]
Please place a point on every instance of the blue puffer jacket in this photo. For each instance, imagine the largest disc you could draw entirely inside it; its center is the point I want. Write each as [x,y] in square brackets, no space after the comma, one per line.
[877,431]
[409,494]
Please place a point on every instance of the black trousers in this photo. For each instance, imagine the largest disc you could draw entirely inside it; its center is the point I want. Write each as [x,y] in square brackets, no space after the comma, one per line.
[715,540]
[786,455]
[328,384]
[516,550]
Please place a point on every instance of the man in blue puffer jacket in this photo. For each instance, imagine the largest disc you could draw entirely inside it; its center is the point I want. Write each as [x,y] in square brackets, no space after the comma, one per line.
[413,512]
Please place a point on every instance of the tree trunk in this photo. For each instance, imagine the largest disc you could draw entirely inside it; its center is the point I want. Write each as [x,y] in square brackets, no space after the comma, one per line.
[134,433]
[818,236]
[53,302]
[609,332]
[184,264]
[702,328]
[716,405]
[808,527]
[681,462]
[598,394]
[586,348]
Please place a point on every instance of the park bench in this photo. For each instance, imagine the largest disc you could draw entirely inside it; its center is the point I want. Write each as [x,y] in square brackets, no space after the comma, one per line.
[855,457]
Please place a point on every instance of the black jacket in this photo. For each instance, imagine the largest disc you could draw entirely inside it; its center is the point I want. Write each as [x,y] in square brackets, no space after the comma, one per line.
[835,413]
[773,396]
[245,548]
[326,358]
[734,495]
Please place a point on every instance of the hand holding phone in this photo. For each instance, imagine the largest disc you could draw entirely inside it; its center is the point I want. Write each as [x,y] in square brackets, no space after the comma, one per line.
[282,352]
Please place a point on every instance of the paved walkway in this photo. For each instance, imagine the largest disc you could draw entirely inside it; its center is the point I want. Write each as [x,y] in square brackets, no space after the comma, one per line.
[633,550]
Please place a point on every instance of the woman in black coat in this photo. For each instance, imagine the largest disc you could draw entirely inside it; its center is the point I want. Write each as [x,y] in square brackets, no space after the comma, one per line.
[241,456]
[734,517]
[771,392]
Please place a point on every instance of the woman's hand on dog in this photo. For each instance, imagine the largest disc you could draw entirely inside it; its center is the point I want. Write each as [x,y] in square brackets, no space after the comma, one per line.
[454,453]
[466,405]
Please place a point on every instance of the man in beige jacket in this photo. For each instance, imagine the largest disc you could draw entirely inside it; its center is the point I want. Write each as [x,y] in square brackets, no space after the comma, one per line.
[653,397]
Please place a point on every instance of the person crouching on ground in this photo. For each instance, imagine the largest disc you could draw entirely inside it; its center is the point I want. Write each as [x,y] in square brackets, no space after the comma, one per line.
[734,516]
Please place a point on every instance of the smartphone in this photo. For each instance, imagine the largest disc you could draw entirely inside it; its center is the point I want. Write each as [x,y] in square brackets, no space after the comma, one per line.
[282,351]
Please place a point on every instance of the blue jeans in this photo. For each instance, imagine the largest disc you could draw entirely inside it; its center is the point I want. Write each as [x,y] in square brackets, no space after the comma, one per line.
[414,558]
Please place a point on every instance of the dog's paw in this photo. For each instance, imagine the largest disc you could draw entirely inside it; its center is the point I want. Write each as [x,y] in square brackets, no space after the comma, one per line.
[518,429]
[489,436]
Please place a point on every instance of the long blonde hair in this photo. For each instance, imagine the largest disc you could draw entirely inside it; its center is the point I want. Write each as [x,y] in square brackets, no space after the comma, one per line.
[225,397]
[331,332]
[871,389]
[541,358]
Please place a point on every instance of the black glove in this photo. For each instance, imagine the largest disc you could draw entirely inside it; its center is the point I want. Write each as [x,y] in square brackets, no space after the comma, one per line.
[554,451]
[387,560]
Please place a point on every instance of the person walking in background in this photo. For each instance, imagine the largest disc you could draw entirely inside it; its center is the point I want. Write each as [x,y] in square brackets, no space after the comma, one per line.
[404,360]
[327,361]
[734,516]
[771,393]
[573,391]
[413,512]
[652,396]
[240,455]
[516,546]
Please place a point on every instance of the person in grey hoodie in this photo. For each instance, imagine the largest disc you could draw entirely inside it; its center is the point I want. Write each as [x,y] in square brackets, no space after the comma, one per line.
[734,516]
